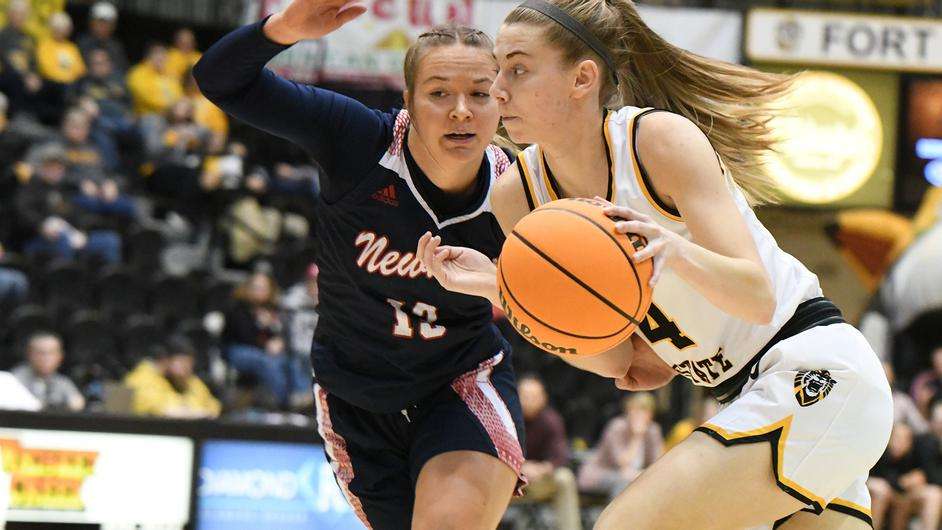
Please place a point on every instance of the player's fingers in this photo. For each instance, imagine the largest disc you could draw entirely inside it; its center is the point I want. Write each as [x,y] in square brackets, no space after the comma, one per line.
[637,227]
[430,249]
[653,247]
[602,199]
[420,247]
[349,11]
[626,213]
[426,255]
[440,256]
[446,253]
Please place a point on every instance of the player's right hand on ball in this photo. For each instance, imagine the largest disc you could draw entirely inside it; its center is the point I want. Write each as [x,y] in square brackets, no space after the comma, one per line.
[310,19]
[458,269]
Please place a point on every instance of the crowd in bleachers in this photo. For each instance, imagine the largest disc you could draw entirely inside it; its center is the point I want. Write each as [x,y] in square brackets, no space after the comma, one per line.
[139,244]
[149,266]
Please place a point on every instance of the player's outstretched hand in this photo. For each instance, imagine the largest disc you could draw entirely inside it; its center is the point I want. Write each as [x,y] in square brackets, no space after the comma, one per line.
[663,245]
[458,269]
[310,19]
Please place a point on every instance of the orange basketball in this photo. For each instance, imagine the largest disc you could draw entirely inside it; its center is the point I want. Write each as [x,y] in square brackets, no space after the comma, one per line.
[567,281]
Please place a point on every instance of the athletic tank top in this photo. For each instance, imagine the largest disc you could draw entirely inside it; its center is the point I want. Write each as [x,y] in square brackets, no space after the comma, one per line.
[700,341]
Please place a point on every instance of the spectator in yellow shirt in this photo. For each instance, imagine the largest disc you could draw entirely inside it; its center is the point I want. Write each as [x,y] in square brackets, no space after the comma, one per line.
[59,58]
[153,87]
[166,386]
[183,55]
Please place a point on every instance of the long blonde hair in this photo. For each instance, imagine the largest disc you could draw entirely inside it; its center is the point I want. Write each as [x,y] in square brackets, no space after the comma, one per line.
[730,103]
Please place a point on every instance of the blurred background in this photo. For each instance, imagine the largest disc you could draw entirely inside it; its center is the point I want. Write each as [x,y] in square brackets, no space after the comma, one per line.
[142,233]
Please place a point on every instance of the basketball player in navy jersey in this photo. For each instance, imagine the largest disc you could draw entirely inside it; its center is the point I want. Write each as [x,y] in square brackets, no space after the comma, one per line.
[415,393]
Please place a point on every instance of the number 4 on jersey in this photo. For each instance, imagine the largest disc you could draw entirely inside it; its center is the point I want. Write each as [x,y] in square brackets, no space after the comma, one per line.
[664,328]
[427,314]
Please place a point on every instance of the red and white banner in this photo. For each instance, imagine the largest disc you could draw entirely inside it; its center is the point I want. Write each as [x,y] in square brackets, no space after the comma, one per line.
[371,48]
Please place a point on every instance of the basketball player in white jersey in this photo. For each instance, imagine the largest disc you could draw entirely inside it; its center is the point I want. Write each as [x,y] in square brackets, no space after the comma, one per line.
[808,408]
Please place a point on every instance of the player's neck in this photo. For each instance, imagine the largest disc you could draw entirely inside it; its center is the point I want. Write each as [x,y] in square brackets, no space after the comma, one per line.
[448,176]
[578,158]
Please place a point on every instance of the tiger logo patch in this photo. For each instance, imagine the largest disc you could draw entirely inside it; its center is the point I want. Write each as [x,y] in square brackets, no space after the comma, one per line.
[811,386]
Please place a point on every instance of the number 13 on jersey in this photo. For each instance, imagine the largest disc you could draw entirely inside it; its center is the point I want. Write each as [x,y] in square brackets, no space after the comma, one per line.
[426,315]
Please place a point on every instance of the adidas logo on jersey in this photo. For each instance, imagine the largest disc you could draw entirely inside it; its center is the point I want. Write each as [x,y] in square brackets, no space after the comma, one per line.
[386,195]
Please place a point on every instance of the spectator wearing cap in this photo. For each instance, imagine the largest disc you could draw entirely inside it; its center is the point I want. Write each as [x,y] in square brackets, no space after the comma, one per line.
[630,443]
[167,386]
[99,196]
[153,87]
[101,27]
[45,208]
[59,58]
[547,455]
[183,54]
[40,373]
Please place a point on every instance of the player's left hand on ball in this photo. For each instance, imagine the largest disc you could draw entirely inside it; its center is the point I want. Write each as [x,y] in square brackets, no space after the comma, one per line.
[663,245]
[457,269]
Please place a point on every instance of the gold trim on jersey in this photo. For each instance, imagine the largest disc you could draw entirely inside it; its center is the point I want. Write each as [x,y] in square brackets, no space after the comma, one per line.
[528,179]
[852,506]
[649,194]
[611,157]
[544,174]
[549,183]
[776,434]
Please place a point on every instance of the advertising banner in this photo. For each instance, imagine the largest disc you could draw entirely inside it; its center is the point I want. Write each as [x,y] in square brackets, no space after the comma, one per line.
[97,478]
[842,39]
[253,485]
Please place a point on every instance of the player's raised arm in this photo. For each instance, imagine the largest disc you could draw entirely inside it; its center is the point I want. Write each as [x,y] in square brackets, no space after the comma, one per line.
[232,75]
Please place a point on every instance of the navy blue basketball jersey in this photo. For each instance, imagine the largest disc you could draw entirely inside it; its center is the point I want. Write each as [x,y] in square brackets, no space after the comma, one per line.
[388,333]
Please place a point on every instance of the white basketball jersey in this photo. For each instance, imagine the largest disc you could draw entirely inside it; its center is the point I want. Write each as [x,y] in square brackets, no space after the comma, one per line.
[687,331]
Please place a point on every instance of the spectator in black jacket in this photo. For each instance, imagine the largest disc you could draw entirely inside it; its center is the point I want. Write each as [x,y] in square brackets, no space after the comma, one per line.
[906,479]
[255,345]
